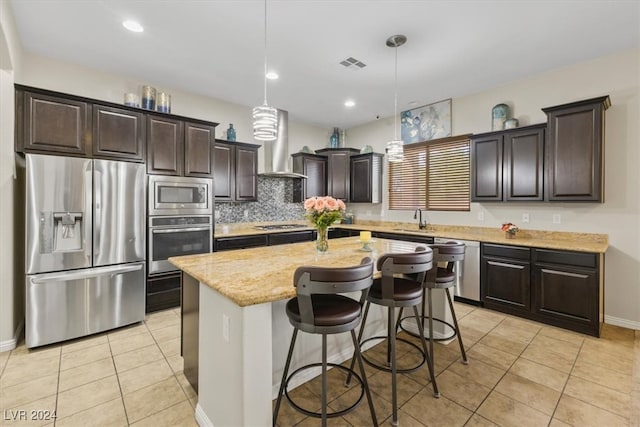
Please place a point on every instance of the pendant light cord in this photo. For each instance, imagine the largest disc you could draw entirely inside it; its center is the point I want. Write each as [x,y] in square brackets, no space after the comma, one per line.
[395,107]
[265,52]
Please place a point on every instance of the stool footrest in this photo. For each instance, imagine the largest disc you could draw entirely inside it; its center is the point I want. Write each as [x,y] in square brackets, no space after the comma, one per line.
[426,331]
[388,369]
[329,414]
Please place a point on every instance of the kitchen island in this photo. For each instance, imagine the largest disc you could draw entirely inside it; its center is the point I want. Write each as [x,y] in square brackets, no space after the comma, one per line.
[242,329]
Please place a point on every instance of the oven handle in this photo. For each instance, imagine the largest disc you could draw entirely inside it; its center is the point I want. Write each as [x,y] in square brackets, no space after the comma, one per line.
[179,230]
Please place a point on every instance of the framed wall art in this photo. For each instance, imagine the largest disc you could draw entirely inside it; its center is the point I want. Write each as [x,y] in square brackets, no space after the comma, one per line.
[427,122]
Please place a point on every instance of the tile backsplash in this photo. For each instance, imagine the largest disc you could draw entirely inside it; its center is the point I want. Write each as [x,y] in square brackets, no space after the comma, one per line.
[275,203]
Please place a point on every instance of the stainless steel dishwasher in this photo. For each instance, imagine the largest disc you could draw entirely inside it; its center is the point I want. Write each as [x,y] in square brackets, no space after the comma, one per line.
[467,272]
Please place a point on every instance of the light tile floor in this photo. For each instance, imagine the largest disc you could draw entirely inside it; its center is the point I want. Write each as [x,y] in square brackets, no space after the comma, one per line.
[520,373]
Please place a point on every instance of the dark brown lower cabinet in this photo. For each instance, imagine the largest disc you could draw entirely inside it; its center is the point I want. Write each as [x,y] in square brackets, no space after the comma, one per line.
[560,288]
[163,291]
[506,273]
[190,314]
[566,289]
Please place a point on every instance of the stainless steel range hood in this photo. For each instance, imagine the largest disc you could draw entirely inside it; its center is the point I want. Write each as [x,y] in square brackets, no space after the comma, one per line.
[276,153]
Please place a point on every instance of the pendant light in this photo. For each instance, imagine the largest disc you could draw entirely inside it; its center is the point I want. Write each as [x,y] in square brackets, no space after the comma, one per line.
[265,118]
[395,151]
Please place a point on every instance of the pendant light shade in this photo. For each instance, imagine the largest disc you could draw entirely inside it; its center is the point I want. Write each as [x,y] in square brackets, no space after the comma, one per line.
[265,118]
[395,150]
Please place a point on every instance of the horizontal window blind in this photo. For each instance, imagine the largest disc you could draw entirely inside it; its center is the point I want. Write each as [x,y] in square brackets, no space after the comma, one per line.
[434,175]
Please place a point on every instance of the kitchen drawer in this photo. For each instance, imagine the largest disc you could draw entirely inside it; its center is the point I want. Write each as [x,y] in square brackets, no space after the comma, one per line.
[504,251]
[163,300]
[163,282]
[228,243]
[579,259]
[290,237]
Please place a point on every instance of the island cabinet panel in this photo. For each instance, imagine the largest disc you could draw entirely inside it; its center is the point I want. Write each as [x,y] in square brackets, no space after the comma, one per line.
[314,167]
[575,147]
[524,164]
[189,328]
[198,150]
[52,124]
[506,278]
[165,146]
[118,133]
[566,289]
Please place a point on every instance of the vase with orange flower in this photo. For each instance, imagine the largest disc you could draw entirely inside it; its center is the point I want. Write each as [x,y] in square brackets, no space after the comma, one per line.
[322,212]
[510,230]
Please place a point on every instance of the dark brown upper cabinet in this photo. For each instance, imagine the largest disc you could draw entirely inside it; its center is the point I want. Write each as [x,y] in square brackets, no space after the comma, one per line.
[366,178]
[314,167]
[338,171]
[198,149]
[508,165]
[235,171]
[575,150]
[51,124]
[165,145]
[118,133]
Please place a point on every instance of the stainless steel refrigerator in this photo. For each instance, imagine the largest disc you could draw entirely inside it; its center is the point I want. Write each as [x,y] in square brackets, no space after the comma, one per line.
[85,246]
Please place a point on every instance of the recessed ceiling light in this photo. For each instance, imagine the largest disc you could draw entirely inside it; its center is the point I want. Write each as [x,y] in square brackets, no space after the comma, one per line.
[133,26]
[272,75]
[349,103]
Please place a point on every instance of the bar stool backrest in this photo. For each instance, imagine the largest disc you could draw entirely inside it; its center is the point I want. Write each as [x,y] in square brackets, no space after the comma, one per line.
[310,280]
[414,264]
[449,252]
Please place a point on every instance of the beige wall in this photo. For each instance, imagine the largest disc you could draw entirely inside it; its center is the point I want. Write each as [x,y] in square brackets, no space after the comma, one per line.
[11,295]
[619,217]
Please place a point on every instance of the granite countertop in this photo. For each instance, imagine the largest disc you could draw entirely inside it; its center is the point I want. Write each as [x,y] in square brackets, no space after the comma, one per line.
[265,274]
[580,242]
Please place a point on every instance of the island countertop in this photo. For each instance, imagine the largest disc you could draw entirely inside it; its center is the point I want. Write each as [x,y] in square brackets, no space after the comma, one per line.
[265,274]
[561,240]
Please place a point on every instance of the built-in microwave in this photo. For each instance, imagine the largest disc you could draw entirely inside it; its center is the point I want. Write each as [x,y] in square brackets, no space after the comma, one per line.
[175,195]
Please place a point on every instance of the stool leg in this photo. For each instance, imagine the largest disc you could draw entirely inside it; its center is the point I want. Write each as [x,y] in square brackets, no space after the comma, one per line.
[391,353]
[398,320]
[324,380]
[360,333]
[429,358]
[455,323]
[365,383]
[431,352]
[284,376]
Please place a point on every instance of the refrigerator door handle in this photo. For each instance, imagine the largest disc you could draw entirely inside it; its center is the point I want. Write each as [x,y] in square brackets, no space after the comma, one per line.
[87,239]
[84,274]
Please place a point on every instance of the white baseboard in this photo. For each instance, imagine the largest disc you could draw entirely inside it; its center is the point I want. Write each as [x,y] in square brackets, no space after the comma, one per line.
[13,342]
[201,417]
[617,321]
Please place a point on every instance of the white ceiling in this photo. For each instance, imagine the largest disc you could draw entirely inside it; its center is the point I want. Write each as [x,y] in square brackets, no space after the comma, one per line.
[216,47]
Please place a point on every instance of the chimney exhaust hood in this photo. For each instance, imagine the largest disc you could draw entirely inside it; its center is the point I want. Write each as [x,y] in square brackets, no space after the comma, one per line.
[276,153]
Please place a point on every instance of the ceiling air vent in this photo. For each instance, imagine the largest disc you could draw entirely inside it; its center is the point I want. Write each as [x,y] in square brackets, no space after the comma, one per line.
[352,63]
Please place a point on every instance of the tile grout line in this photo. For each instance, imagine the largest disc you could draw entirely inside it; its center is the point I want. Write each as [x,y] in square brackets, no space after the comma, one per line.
[115,369]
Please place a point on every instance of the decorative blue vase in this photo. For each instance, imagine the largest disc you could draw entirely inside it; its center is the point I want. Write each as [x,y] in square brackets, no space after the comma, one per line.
[499,115]
[231,133]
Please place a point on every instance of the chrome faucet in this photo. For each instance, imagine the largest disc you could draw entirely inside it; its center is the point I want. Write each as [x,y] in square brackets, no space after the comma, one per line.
[418,214]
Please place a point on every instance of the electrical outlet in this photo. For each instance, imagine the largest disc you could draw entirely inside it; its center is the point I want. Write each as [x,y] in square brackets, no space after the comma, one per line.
[557,219]
[481,216]
[525,218]
[225,327]
[246,213]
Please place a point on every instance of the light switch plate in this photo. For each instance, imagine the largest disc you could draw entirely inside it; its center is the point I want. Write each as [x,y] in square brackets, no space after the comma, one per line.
[225,327]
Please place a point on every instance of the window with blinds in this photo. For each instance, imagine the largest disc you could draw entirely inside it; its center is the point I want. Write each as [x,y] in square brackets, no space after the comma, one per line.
[434,175]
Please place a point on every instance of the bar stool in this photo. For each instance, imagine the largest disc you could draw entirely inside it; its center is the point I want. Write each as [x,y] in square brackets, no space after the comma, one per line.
[441,278]
[392,291]
[318,309]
